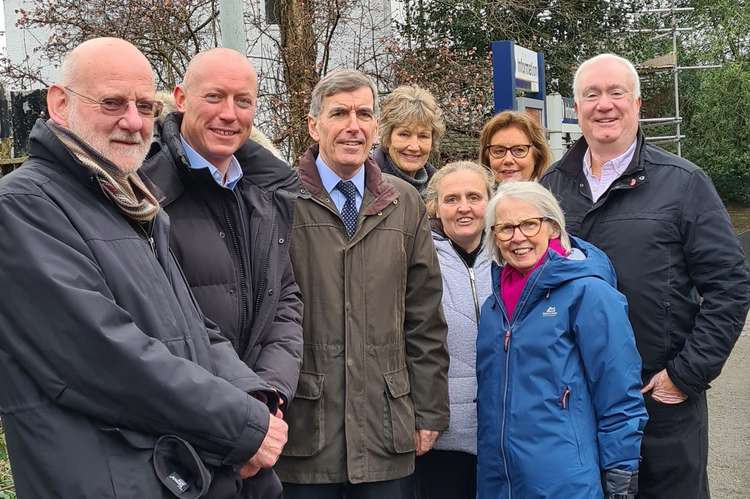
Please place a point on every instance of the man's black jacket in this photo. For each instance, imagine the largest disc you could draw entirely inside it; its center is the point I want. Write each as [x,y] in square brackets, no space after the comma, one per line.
[677,258]
[233,248]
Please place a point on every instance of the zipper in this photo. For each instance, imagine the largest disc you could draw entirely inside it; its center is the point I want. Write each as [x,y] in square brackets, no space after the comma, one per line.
[472,279]
[506,347]
[564,397]
[242,267]
[148,235]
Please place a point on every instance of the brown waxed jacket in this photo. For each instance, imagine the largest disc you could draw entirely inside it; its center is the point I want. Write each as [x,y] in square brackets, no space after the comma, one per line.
[375,361]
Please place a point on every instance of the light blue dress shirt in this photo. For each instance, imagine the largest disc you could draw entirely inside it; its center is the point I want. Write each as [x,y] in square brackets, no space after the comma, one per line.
[330,181]
[198,162]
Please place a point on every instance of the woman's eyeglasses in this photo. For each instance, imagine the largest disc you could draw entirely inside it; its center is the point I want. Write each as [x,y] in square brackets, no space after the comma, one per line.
[529,228]
[519,151]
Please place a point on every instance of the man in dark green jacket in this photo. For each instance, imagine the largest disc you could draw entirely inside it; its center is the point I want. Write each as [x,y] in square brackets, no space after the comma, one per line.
[373,390]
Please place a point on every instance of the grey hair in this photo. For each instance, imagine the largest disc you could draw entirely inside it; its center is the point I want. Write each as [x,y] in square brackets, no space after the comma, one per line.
[532,193]
[601,57]
[431,192]
[341,80]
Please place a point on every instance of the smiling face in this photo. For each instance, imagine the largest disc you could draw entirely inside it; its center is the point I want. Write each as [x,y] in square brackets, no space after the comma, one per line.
[410,147]
[461,201]
[218,100]
[522,252]
[607,108]
[509,167]
[124,140]
[345,128]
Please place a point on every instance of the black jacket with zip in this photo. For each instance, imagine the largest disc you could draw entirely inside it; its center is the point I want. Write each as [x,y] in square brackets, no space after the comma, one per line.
[233,248]
[102,348]
[677,258]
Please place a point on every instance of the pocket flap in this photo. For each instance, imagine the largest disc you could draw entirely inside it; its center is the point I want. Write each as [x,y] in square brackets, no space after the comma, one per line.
[310,386]
[398,382]
[136,439]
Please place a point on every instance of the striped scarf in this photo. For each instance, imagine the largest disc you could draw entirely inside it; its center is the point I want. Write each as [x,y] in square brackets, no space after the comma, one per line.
[127,191]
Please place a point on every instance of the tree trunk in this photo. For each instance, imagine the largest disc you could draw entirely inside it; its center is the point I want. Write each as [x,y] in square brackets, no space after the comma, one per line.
[299,56]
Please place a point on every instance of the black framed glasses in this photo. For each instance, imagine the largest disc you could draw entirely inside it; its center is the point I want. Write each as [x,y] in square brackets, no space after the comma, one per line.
[117,106]
[519,151]
[529,228]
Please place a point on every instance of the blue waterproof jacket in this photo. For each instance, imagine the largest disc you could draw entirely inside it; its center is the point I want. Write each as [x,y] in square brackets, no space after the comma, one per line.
[558,386]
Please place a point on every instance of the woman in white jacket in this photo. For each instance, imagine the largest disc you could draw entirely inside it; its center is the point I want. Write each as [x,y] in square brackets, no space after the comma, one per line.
[456,198]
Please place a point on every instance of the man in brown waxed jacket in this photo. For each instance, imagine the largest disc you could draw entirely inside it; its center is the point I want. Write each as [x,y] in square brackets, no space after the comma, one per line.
[373,389]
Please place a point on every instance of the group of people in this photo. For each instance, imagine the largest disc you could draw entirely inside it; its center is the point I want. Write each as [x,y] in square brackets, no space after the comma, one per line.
[194,318]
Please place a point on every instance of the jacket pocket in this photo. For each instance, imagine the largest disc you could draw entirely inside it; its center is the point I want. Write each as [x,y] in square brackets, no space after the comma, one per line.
[566,397]
[306,417]
[129,455]
[399,419]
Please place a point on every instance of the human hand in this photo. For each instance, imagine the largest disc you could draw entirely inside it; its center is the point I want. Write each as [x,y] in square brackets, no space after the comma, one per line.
[271,447]
[663,390]
[424,440]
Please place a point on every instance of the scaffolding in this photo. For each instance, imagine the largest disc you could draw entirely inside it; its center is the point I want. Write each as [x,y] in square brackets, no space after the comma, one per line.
[669,62]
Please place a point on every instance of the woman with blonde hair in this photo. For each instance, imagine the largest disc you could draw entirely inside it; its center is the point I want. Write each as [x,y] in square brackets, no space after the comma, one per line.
[411,125]
[456,199]
[514,147]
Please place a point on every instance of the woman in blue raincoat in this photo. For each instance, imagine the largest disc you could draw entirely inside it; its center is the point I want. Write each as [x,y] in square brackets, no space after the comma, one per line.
[560,412]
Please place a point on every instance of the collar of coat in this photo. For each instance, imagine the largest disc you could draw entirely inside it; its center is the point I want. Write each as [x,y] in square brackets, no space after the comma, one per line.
[377,184]
[259,166]
[572,162]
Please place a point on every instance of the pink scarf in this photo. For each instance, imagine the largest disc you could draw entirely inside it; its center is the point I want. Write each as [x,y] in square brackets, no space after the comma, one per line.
[512,281]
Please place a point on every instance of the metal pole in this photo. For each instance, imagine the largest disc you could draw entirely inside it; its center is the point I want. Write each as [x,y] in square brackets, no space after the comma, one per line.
[232,23]
[676,80]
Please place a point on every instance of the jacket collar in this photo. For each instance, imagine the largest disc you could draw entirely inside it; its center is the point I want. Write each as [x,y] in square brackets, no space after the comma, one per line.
[634,175]
[572,162]
[259,166]
[44,144]
[381,189]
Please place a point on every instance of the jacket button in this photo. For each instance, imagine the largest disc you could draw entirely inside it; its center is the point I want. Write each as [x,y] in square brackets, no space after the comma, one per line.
[380,213]
[231,291]
[395,201]
[222,235]
[270,292]
[349,362]
[281,240]
[641,177]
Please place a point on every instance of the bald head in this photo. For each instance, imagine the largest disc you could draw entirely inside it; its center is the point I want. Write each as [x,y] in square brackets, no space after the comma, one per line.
[87,60]
[206,63]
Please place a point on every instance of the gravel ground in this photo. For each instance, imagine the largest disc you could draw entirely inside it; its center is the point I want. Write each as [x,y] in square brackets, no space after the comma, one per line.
[729,425]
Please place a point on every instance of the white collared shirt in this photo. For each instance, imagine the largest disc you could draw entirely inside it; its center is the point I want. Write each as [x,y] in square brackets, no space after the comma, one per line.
[611,171]
[198,162]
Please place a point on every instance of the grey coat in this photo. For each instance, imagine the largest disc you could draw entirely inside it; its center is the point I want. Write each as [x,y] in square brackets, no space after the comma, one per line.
[464,290]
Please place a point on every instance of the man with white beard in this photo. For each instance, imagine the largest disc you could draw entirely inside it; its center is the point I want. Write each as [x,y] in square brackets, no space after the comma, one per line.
[113,383]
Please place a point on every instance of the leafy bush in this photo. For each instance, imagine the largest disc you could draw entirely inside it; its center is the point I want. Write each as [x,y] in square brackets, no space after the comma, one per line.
[717,121]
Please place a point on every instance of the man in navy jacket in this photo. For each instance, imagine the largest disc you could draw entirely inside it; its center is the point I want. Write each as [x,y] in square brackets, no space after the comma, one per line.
[678,262]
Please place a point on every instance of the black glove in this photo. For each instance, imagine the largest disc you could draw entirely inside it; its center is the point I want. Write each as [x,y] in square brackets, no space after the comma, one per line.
[621,484]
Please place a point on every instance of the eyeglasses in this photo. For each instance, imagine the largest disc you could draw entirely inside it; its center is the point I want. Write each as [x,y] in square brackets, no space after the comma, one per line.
[117,106]
[529,228]
[517,151]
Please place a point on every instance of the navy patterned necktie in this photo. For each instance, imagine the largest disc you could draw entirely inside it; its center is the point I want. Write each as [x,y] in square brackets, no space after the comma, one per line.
[349,211]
